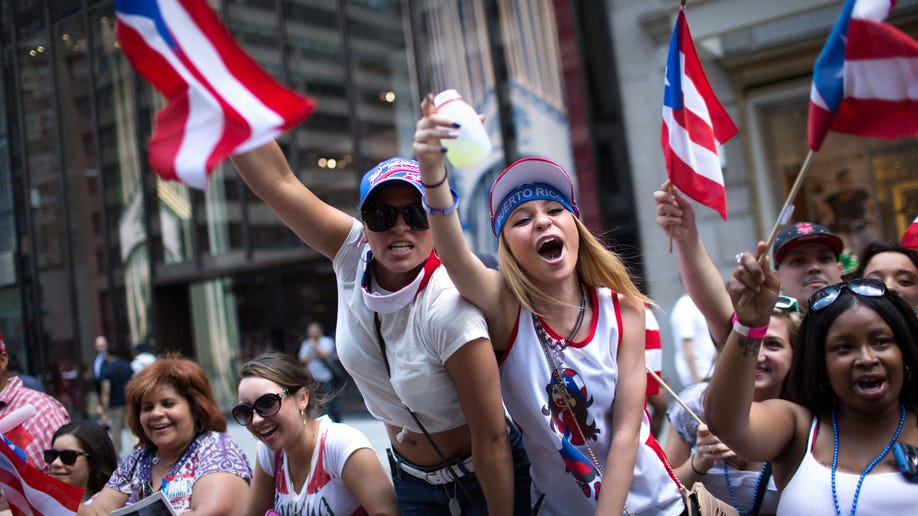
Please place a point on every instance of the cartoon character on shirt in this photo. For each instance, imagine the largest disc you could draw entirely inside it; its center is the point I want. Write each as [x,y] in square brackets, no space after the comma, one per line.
[568,403]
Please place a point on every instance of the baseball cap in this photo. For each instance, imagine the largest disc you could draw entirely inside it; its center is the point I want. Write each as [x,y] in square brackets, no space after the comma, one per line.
[393,169]
[530,179]
[801,233]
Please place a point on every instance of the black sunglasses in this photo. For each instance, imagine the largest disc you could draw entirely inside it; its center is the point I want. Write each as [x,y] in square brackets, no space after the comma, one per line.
[68,457]
[265,405]
[382,218]
[866,287]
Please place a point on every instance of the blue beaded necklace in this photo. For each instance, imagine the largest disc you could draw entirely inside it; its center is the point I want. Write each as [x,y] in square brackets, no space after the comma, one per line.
[870,466]
[758,484]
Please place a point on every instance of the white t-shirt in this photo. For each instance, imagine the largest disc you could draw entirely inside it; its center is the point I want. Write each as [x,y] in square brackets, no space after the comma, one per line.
[317,368]
[419,336]
[687,322]
[324,491]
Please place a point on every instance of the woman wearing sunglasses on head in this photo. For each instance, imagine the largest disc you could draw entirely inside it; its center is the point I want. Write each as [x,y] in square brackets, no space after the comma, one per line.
[852,392]
[702,457]
[184,451]
[81,454]
[305,465]
[417,352]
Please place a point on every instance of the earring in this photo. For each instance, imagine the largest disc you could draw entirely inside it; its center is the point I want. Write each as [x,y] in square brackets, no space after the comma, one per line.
[198,426]
[908,375]
[303,415]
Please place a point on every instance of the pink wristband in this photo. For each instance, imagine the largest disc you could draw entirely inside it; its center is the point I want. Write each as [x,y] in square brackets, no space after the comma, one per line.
[756,332]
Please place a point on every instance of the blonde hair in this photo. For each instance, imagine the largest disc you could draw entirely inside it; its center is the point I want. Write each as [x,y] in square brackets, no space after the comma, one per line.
[597,266]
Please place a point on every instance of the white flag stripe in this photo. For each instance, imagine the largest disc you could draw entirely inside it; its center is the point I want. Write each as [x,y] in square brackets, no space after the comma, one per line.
[654,359]
[691,99]
[867,70]
[704,162]
[188,158]
[876,10]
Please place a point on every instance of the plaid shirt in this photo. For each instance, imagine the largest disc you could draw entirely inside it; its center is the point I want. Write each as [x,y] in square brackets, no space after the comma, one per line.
[49,416]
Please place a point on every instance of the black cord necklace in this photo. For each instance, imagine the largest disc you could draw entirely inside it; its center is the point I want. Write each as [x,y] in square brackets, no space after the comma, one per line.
[580,315]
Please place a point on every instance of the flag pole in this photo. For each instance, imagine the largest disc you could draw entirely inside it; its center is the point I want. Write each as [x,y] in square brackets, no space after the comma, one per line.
[673,394]
[785,214]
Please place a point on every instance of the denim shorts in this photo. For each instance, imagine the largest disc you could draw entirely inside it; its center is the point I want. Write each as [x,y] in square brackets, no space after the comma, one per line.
[418,497]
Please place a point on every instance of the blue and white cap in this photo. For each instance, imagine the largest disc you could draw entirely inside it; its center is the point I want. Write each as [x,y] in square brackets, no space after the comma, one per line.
[530,179]
[393,169]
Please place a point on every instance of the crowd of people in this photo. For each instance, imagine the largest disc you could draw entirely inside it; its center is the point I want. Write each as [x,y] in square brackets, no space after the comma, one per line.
[520,388]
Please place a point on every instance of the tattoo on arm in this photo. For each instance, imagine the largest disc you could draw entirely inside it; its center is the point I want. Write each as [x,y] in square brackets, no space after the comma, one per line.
[749,346]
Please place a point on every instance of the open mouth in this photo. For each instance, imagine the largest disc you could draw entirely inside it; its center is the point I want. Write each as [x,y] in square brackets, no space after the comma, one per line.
[870,384]
[264,433]
[550,248]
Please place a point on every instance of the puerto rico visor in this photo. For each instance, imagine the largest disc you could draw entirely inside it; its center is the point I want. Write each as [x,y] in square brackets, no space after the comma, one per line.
[530,179]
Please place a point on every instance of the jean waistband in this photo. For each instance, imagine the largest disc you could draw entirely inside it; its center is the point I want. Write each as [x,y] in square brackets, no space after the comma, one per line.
[437,475]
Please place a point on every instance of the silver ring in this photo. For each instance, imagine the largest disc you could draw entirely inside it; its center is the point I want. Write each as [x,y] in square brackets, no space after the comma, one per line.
[739,258]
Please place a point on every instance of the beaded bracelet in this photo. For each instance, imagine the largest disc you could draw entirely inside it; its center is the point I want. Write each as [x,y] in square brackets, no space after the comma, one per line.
[754,332]
[442,212]
[438,183]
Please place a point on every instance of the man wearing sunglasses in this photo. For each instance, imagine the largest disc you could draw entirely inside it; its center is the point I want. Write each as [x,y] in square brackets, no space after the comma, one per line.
[418,353]
[48,417]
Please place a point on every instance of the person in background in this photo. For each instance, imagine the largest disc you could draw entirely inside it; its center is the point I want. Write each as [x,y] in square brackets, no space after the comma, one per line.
[317,351]
[100,345]
[116,374]
[184,450]
[143,355]
[28,380]
[695,351]
[48,417]
[568,324]
[82,455]
[305,465]
[418,353]
[805,257]
[700,457]
[894,265]
[852,395]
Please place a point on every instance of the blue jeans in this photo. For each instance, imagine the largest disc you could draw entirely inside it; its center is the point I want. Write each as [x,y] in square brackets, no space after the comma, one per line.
[417,497]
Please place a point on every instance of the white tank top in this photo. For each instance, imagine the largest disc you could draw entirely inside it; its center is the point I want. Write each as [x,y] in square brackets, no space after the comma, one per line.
[810,490]
[562,468]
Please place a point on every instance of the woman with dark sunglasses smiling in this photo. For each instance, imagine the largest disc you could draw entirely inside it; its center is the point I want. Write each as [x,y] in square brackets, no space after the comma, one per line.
[278,401]
[418,353]
[82,454]
[853,386]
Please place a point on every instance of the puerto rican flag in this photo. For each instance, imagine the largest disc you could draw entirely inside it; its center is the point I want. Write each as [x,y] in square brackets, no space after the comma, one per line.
[220,102]
[910,237]
[29,491]
[653,352]
[865,81]
[695,124]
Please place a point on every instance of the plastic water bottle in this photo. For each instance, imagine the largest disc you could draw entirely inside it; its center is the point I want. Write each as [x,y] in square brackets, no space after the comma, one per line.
[472,144]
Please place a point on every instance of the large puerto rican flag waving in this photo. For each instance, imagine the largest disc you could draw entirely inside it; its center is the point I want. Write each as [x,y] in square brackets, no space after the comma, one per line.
[220,102]
[694,124]
[30,492]
[865,81]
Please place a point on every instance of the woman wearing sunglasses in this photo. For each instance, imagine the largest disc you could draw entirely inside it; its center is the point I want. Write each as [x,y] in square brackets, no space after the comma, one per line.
[702,457]
[417,352]
[305,465]
[184,451]
[852,389]
[81,454]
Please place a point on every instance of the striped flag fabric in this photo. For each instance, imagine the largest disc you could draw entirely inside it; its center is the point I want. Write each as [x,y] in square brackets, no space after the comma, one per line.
[653,352]
[29,491]
[865,80]
[695,124]
[910,237]
[219,101]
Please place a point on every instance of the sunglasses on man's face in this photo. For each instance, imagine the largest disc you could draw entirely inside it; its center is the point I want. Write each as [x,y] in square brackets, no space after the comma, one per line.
[865,287]
[68,457]
[265,405]
[383,218]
